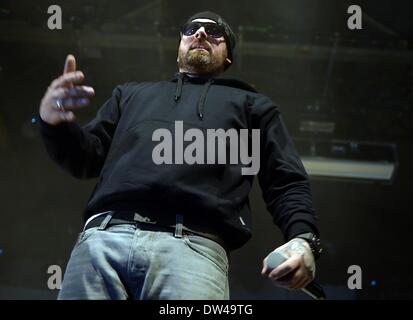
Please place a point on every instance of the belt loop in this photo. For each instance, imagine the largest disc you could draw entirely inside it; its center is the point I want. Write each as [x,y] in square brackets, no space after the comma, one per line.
[179,226]
[106,221]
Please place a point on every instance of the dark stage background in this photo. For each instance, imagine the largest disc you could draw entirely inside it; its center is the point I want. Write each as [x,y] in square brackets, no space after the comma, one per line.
[300,53]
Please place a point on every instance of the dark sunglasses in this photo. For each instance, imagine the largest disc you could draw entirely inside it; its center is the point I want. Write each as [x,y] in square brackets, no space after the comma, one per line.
[212,29]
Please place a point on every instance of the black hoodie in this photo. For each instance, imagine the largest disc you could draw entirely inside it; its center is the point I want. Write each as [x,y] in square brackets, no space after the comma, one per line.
[117,146]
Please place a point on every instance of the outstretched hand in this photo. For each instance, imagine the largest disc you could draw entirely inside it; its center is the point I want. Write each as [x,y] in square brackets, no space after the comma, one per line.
[65,95]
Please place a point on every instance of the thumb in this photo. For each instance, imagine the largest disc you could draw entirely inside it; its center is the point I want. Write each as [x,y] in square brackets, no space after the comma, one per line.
[264,267]
[70,64]
[67,116]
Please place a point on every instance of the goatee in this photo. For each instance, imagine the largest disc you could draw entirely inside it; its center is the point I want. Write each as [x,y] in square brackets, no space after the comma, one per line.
[199,59]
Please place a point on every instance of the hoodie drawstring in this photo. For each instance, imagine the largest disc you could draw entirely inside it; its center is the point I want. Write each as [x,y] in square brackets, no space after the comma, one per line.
[202,98]
[178,91]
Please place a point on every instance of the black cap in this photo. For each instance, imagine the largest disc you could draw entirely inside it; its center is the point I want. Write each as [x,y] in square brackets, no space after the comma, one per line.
[229,34]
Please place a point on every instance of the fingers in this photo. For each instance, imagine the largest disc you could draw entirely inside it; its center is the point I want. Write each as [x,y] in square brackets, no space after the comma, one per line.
[81,91]
[70,64]
[67,116]
[74,92]
[77,97]
[285,268]
[264,270]
[299,268]
[72,98]
[288,280]
[57,103]
[73,104]
[291,274]
[65,94]
[68,79]
[304,281]
[295,280]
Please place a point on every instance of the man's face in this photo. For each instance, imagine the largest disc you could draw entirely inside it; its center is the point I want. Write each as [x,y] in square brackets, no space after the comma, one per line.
[202,54]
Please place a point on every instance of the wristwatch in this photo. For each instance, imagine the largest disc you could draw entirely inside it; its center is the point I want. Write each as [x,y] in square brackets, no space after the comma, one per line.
[314,242]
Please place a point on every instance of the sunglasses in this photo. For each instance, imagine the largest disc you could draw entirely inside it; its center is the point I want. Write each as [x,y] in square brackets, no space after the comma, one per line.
[213,30]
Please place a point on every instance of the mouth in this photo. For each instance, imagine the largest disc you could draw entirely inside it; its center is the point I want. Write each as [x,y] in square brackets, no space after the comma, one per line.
[200,47]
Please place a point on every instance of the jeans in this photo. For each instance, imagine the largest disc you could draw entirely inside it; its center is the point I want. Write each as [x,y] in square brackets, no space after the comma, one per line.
[124,262]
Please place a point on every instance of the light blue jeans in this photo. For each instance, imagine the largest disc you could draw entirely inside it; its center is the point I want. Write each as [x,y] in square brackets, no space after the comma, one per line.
[124,262]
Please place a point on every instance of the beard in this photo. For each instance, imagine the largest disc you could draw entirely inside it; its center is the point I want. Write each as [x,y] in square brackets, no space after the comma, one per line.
[201,58]
[201,61]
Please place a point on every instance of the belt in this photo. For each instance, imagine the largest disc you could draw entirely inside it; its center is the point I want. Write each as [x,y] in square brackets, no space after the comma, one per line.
[111,218]
[125,217]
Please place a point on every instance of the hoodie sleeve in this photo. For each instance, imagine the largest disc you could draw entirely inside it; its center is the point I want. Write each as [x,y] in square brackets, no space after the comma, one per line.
[282,177]
[82,150]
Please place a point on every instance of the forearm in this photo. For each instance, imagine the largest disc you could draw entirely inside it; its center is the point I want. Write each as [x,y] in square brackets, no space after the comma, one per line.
[291,206]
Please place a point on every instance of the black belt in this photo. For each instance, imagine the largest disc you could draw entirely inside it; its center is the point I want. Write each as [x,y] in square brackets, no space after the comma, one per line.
[126,217]
[143,223]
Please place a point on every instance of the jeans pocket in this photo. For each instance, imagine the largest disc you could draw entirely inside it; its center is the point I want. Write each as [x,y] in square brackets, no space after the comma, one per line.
[84,235]
[208,249]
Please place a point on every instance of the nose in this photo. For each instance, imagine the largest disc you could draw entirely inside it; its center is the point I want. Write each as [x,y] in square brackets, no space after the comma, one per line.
[200,33]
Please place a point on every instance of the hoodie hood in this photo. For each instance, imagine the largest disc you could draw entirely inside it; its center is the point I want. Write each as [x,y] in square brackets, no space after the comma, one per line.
[228,81]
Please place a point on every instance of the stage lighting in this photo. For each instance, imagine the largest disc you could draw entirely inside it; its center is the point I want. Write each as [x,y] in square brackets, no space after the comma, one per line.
[348,159]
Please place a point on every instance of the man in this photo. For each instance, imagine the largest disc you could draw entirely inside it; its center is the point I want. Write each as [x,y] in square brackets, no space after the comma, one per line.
[159,230]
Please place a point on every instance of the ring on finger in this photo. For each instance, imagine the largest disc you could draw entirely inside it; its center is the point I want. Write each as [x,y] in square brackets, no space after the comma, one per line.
[59,104]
